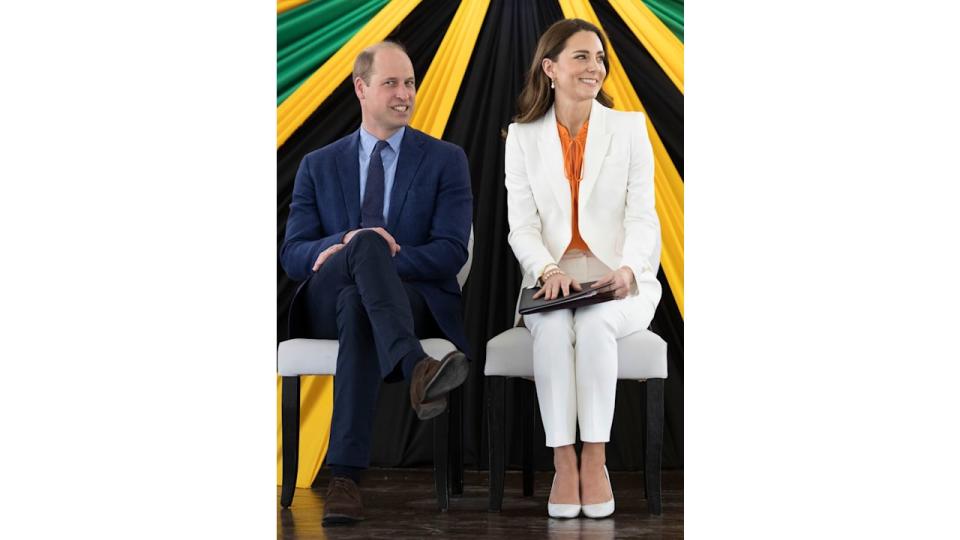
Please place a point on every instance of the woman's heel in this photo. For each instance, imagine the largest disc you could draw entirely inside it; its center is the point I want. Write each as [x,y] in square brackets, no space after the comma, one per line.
[561,510]
[604,509]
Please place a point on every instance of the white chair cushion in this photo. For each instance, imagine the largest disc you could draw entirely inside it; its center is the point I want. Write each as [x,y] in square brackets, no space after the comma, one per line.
[642,355]
[319,356]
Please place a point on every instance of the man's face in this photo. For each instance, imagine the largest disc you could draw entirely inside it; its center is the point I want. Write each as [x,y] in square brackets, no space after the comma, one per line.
[387,103]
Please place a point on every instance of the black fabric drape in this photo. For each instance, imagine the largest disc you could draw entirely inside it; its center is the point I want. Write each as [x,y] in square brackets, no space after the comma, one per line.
[484,106]
[661,98]
[663,102]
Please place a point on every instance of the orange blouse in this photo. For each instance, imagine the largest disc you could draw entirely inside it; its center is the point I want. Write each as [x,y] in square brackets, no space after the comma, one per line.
[572,167]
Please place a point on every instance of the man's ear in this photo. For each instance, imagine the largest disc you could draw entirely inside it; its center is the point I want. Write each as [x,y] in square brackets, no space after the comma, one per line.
[358,87]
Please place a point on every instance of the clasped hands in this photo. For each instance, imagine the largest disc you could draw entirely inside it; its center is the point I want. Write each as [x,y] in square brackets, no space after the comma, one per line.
[327,253]
[618,281]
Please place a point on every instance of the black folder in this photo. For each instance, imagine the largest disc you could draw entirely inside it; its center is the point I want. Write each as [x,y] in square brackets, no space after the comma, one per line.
[585,297]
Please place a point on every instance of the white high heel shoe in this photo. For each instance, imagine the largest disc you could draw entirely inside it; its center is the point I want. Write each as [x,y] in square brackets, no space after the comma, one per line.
[604,509]
[561,510]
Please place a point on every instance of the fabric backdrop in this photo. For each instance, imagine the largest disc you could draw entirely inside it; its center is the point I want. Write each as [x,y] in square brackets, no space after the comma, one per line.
[470,58]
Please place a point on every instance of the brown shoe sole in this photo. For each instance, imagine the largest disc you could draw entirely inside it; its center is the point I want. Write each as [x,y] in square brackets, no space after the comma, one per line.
[453,371]
[429,409]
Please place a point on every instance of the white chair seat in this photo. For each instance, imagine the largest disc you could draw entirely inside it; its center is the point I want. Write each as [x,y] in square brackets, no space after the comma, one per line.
[319,356]
[642,355]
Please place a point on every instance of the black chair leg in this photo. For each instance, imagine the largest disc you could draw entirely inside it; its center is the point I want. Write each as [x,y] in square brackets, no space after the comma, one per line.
[456,442]
[496,425]
[653,441]
[441,460]
[526,393]
[290,427]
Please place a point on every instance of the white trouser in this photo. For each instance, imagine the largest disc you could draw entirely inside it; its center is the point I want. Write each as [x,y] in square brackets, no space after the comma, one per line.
[575,357]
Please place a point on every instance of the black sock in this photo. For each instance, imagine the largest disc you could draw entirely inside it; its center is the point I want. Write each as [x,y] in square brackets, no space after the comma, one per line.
[353,473]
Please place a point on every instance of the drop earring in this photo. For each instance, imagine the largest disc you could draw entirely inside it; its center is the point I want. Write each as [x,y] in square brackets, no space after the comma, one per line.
[551,83]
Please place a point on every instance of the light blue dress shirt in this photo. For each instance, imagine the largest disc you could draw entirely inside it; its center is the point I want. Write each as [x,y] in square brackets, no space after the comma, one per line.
[389,155]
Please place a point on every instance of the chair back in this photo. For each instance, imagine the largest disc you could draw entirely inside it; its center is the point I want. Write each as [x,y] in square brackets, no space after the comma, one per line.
[464,272]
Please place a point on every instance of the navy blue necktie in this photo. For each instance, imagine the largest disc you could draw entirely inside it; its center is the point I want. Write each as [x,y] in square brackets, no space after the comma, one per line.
[371,214]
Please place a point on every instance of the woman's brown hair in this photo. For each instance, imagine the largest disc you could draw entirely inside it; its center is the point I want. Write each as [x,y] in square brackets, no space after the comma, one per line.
[536,98]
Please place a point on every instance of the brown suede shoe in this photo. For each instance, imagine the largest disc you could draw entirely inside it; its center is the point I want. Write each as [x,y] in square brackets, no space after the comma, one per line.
[342,505]
[431,381]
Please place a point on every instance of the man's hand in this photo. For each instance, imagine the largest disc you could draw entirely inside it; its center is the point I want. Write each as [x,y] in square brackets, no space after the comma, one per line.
[326,254]
[618,281]
[394,246]
[556,284]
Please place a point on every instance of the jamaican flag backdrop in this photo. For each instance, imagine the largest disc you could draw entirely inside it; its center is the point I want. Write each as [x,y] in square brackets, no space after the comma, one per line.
[470,58]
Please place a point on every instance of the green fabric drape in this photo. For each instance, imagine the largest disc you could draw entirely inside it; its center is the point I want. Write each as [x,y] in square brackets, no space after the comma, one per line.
[670,12]
[309,34]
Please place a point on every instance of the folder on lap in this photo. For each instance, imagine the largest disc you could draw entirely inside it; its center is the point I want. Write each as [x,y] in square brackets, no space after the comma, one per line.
[585,297]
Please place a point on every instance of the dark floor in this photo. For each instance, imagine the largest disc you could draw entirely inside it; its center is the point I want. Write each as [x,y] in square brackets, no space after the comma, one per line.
[400,503]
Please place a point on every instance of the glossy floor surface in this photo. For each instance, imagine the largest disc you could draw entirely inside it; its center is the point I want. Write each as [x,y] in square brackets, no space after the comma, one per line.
[400,503]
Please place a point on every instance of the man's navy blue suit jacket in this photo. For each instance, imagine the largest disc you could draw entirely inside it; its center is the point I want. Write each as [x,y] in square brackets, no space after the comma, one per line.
[431,209]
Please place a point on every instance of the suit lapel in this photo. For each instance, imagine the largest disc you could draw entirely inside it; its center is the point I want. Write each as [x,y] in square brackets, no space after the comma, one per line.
[598,140]
[348,165]
[411,154]
[551,161]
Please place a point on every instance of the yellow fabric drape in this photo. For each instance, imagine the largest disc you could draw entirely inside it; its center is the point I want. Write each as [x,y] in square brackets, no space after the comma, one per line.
[435,97]
[659,41]
[287,5]
[668,185]
[316,410]
[297,108]
[436,94]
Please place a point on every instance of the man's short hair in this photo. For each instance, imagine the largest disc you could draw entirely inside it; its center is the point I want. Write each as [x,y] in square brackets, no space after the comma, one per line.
[363,65]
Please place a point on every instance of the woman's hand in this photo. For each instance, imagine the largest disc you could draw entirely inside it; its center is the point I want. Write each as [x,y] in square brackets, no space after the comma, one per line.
[618,281]
[555,284]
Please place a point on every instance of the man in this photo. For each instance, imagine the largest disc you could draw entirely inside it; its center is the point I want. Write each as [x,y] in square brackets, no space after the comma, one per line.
[378,230]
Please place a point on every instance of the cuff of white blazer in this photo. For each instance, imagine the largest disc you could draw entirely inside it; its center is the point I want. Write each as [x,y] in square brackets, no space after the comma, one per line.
[639,271]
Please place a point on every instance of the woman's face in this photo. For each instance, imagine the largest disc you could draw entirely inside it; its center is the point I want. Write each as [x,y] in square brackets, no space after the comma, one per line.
[578,71]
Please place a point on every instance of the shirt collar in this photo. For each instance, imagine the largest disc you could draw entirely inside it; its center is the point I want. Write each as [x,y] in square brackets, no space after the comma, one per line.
[368,141]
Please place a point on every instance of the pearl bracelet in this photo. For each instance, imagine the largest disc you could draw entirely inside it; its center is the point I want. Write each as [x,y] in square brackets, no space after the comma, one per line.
[549,274]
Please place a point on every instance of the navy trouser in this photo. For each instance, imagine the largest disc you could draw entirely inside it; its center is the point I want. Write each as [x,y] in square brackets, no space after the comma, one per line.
[357,298]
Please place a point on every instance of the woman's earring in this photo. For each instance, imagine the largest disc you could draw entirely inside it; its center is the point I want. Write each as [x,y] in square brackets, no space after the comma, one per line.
[551,83]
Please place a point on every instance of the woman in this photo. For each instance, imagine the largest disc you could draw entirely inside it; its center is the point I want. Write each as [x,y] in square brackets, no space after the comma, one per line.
[579,179]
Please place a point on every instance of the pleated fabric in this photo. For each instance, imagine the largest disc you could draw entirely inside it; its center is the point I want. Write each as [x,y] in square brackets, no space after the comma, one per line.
[661,99]
[670,12]
[438,90]
[309,35]
[483,108]
[655,37]
[470,59]
[308,96]
[286,5]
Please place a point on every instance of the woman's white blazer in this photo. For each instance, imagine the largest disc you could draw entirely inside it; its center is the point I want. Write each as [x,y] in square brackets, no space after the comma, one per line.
[616,212]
